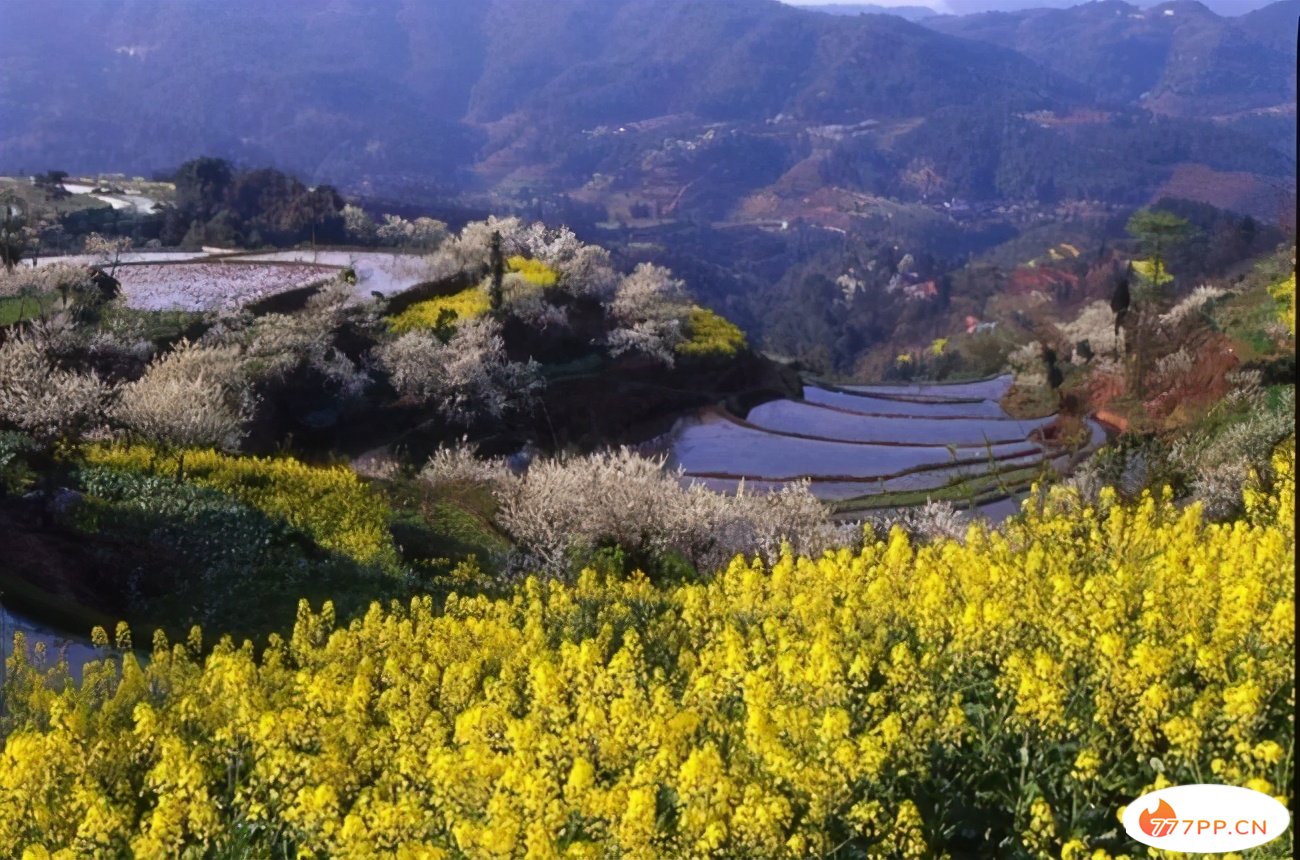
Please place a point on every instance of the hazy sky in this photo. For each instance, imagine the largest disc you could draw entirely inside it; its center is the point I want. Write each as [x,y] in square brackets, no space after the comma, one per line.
[937,5]
[963,7]
[933,4]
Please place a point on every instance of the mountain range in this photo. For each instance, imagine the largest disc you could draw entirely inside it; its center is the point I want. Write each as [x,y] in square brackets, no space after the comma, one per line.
[710,109]
[929,8]
[1174,58]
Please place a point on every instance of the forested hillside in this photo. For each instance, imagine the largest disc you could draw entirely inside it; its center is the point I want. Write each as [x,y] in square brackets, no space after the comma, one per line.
[750,145]
[1178,58]
[459,95]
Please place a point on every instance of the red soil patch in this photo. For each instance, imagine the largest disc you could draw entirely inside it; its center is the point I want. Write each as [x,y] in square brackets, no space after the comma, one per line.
[1240,192]
[1042,279]
[1205,383]
[804,178]
[1111,419]
[1101,389]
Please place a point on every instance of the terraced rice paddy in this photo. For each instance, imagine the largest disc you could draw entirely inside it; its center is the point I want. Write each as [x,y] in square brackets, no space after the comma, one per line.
[721,448]
[979,389]
[211,285]
[199,281]
[872,404]
[377,271]
[812,420]
[126,258]
[867,448]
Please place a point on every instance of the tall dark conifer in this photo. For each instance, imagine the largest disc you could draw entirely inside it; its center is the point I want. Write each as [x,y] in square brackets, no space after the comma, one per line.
[1121,298]
[498,265]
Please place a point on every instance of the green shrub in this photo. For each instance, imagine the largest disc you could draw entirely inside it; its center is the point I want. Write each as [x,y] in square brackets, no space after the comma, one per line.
[216,560]
[330,504]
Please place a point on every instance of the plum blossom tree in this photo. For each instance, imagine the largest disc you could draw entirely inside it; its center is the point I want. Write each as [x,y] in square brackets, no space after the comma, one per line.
[194,396]
[424,233]
[468,377]
[358,226]
[52,404]
[278,346]
[649,308]
[471,250]
[107,250]
[563,508]
[589,272]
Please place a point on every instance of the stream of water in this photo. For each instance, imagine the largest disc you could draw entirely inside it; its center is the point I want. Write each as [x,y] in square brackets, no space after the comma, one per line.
[79,651]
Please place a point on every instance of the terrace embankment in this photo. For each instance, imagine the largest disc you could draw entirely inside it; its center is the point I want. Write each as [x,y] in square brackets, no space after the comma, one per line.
[876,447]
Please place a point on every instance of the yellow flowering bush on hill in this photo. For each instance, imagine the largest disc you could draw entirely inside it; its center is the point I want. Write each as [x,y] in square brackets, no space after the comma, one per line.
[533,271]
[1147,269]
[710,335]
[465,305]
[1284,293]
[1001,696]
[330,504]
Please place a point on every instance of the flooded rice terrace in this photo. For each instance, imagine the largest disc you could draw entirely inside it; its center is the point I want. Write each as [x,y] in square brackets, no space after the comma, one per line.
[875,448]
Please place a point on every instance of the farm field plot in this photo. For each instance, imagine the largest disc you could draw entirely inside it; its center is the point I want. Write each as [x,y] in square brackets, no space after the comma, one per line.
[987,389]
[125,200]
[950,442]
[808,419]
[127,258]
[211,285]
[377,271]
[838,491]
[721,448]
[868,404]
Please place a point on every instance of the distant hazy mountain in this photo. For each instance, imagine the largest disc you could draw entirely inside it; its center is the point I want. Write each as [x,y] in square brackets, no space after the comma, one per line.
[1273,25]
[419,87]
[684,106]
[911,13]
[972,7]
[1177,58]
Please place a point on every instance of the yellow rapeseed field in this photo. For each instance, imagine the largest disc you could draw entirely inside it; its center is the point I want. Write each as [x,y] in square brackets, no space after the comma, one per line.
[1004,696]
[330,504]
[465,305]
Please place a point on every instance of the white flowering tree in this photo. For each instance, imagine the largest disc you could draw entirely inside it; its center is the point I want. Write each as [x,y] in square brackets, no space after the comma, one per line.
[588,272]
[358,225]
[277,346]
[649,308]
[467,377]
[107,250]
[194,396]
[1093,332]
[30,284]
[564,508]
[53,405]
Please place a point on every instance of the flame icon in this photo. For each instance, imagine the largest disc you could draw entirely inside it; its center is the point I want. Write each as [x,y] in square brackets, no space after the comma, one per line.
[1158,822]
